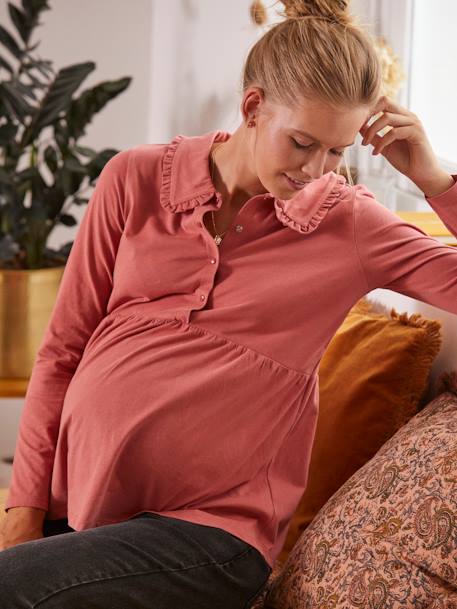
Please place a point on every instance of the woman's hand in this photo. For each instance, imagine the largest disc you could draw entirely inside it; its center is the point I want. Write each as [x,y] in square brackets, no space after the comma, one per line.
[21,524]
[406,146]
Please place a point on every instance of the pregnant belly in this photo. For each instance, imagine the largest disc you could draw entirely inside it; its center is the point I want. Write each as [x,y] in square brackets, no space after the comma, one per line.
[172,413]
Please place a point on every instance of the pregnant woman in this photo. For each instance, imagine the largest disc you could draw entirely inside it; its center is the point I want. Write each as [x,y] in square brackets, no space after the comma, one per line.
[170,415]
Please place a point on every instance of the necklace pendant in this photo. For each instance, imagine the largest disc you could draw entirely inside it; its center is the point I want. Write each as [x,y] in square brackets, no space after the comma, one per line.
[218,239]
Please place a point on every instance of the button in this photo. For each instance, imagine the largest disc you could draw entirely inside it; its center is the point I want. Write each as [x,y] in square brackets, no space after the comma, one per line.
[238,228]
[202,297]
[212,260]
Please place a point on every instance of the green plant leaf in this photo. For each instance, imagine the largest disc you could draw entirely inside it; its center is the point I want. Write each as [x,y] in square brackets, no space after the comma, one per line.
[61,137]
[7,133]
[43,66]
[26,90]
[57,98]
[34,7]
[26,174]
[20,20]
[85,151]
[80,200]
[6,65]
[55,199]
[92,101]
[73,164]
[71,174]
[14,103]
[34,180]
[51,159]
[36,83]
[95,166]
[10,43]
[8,248]
[67,220]
[6,177]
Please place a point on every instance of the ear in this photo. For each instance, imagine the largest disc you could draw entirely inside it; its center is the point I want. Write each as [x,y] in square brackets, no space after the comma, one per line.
[253,99]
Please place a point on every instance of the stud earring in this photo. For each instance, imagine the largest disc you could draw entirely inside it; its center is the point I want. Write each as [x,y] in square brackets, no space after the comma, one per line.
[251,123]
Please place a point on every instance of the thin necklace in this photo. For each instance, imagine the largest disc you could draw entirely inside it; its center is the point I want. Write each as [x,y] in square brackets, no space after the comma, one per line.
[217,237]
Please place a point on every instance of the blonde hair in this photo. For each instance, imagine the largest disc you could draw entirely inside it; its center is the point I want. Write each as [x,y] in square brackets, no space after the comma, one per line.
[319,52]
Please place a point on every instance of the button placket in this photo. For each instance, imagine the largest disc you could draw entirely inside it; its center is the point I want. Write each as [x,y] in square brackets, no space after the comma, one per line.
[213,248]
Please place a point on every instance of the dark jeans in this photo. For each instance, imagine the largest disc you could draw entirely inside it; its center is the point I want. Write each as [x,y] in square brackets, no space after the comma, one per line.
[147,562]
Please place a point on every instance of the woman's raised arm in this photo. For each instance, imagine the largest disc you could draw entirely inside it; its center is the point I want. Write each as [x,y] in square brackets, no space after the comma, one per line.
[399,256]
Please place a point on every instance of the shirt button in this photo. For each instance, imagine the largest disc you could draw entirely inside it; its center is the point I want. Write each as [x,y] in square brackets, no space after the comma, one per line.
[238,228]
[202,297]
[212,260]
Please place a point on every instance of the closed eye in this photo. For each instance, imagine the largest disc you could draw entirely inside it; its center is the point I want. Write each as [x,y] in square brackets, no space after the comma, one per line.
[297,145]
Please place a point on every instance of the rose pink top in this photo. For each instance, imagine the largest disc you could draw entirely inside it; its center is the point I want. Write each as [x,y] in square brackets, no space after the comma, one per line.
[181,378]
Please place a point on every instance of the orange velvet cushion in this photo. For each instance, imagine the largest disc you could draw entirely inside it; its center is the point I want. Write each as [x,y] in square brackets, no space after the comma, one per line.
[372,377]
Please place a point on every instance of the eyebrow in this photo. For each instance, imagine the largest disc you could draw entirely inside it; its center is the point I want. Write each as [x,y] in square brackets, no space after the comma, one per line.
[316,140]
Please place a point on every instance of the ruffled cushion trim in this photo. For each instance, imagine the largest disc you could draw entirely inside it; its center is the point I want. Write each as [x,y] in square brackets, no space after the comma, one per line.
[303,221]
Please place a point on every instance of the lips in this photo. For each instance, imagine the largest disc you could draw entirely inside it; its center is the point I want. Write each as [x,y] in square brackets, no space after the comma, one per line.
[297,184]
[298,181]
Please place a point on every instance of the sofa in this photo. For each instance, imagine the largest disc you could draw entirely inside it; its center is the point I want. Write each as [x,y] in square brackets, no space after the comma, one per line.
[388,537]
[376,527]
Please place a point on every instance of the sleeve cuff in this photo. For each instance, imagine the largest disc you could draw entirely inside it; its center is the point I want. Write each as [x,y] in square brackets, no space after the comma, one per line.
[450,192]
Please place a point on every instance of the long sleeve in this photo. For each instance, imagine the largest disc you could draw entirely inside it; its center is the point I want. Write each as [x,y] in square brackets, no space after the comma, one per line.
[399,256]
[81,302]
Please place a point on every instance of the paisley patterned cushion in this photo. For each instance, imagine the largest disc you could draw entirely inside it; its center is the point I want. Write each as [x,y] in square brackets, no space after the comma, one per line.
[387,539]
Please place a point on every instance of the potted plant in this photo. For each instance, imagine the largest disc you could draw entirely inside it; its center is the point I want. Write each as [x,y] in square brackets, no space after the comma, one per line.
[43,172]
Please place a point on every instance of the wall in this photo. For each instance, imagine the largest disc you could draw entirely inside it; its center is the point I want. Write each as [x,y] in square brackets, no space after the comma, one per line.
[198,49]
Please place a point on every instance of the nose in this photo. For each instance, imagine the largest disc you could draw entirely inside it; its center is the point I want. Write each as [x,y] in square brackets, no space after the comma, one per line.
[315,166]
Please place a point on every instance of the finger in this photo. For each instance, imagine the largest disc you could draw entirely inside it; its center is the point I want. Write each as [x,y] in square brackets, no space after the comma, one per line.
[396,133]
[373,118]
[383,106]
[386,120]
[386,103]
[367,131]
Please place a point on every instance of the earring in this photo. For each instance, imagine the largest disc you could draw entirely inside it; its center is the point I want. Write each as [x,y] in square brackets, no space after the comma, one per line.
[251,123]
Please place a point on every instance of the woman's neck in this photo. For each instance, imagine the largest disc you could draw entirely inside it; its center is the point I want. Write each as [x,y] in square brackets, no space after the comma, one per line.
[233,173]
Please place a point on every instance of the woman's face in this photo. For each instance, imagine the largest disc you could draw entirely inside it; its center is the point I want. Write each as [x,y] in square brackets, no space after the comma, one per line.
[302,143]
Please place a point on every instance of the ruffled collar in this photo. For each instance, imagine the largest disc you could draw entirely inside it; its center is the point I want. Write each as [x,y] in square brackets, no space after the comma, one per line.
[186,183]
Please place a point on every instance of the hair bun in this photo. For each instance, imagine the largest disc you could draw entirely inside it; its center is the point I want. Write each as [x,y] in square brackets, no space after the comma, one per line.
[336,10]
